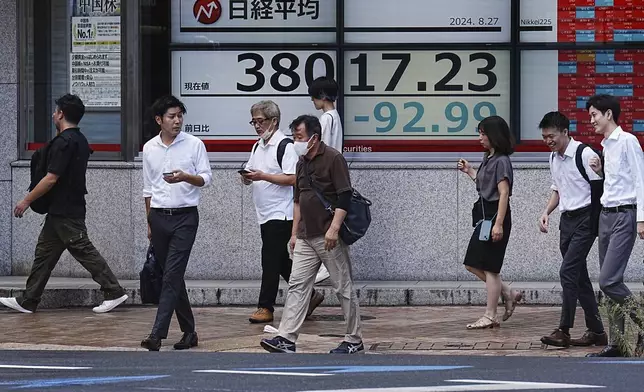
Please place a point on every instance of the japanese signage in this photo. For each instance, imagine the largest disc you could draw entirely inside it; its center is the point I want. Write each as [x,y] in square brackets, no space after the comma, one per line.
[219,88]
[582,21]
[258,21]
[416,96]
[564,80]
[422,21]
[97,7]
[96,78]
[95,58]
[96,34]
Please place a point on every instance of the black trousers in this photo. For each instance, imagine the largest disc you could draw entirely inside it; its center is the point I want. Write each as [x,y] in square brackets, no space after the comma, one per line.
[576,239]
[172,238]
[60,233]
[276,261]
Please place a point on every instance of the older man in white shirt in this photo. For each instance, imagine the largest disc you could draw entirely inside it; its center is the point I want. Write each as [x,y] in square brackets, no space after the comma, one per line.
[271,171]
[175,168]
[622,215]
[575,189]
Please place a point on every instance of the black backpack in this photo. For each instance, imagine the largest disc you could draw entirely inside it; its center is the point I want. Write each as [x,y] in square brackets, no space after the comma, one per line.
[281,148]
[38,168]
[358,217]
[596,186]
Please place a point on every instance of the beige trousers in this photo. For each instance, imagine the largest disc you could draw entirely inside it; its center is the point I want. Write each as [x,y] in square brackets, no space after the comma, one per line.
[308,255]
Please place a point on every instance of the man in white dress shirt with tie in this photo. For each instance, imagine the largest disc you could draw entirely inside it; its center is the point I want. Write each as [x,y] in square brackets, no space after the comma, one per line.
[622,216]
[574,184]
[175,168]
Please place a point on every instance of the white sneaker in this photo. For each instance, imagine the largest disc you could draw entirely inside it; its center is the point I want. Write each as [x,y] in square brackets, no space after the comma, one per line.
[13,304]
[323,274]
[106,306]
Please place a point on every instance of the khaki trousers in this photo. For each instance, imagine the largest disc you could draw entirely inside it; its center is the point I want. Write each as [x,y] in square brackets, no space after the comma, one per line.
[308,255]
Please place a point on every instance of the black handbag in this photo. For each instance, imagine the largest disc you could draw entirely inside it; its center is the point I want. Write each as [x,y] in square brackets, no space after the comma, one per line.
[358,217]
[151,279]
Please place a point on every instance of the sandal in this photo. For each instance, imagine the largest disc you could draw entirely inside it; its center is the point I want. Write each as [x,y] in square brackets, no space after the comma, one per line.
[510,305]
[484,322]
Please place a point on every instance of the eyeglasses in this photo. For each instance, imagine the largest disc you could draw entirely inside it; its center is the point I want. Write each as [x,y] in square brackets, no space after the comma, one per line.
[259,121]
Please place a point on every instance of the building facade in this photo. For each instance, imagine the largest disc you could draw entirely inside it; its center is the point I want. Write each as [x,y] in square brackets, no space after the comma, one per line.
[416,77]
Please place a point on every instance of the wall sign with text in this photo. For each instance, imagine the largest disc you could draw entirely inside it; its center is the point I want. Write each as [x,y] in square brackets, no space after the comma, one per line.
[219,88]
[412,97]
[582,21]
[564,80]
[423,21]
[246,21]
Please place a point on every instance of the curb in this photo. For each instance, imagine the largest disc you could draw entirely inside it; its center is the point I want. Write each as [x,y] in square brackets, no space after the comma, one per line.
[228,295]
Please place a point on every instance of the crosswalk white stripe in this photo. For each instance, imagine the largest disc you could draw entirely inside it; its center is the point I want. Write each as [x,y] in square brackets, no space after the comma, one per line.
[262,373]
[44,367]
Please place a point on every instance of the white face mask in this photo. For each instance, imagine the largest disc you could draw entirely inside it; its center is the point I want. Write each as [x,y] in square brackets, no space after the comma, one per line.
[301,148]
[267,134]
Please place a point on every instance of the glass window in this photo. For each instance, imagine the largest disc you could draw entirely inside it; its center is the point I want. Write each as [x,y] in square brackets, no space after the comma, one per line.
[73,46]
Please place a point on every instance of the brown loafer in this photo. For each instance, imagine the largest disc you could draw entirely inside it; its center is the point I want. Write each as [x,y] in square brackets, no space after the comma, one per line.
[557,338]
[591,338]
[261,315]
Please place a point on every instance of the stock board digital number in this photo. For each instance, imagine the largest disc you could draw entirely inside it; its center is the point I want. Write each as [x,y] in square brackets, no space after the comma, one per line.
[444,84]
[458,113]
[284,76]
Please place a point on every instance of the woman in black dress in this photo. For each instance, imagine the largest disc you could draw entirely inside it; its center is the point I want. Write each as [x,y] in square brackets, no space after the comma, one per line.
[491,218]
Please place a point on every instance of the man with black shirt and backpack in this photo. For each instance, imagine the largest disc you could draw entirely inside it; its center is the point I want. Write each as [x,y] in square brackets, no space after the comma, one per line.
[576,189]
[271,172]
[61,195]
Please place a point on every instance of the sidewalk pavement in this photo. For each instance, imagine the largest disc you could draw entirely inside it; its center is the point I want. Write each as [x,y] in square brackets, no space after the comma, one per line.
[386,330]
[390,324]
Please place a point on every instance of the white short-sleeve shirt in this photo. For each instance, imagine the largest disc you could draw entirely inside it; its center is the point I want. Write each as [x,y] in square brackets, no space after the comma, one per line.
[332,129]
[272,201]
[574,190]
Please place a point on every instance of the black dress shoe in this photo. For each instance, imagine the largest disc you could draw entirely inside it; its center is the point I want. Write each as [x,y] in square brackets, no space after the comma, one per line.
[152,343]
[608,351]
[188,340]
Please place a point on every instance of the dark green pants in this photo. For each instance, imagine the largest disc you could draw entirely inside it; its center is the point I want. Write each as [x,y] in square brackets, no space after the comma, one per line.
[60,233]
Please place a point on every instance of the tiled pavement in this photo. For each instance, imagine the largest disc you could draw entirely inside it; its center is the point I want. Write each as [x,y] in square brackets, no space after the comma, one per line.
[386,330]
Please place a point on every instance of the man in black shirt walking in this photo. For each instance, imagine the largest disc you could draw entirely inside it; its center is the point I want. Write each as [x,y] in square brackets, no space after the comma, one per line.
[64,226]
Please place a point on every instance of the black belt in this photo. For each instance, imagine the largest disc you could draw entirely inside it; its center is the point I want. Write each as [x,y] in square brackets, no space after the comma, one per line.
[577,212]
[622,208]
[175,211]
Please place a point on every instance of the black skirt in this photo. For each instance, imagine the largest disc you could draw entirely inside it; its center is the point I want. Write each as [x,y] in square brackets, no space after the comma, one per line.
[487,255]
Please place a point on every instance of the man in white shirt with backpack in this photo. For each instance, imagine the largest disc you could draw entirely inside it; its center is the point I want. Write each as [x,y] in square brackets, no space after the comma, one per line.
[270,171]
[576,189]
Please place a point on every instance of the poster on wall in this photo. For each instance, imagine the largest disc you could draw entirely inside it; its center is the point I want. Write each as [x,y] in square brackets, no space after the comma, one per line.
[96,34]
[219,88]
[564,80]
[96,78]
[95,58]
[402,100]
[582,21]
[96,8]
[422,21]
[250,21]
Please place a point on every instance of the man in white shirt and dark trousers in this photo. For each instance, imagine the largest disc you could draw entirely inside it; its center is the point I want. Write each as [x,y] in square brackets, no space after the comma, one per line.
[324,92]
[622,216]
[175,168]
[573,193]
[271,171]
